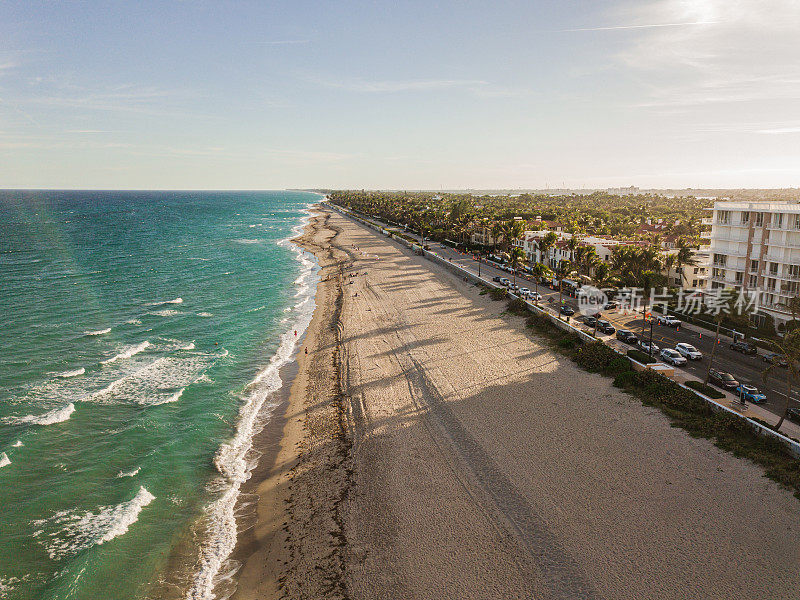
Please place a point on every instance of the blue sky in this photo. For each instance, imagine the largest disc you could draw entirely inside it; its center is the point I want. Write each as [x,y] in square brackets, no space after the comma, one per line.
[264,95]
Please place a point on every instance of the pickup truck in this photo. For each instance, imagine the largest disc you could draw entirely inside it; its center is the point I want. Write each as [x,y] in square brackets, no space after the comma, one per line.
[668,320]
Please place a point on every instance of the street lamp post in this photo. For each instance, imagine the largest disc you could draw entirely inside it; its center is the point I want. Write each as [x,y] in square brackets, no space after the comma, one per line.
[650,349]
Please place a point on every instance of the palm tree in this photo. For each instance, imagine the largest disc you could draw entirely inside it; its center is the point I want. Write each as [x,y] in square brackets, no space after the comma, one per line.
[684,257]
[515,258]
[563,269]
[539,270]
[497,230]
[789,347]
[545,243]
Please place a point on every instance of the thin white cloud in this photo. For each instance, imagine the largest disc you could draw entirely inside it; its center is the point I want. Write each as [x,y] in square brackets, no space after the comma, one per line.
[780,130]
[647,26]
[282,42]
[410,85]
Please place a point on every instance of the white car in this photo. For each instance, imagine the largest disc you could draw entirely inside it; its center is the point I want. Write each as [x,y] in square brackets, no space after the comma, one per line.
[672,357]
[505,281]
[644,346]
[535,296]
[688,351]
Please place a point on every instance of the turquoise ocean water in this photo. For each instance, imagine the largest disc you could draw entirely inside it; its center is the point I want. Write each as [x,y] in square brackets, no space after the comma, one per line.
[142,334]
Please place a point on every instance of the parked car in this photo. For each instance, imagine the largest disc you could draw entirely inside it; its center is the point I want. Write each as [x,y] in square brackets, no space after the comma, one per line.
[688,351]
[535,296]
[628,337]
[673,357]
[750,393]
[496,279]
[668,320]
[744,348]
[644,346]
[605,326]
[567,310]
[505,281]
[775,358]
[794,414]
[590,321]
[722,379]
[610,305]
[523,291]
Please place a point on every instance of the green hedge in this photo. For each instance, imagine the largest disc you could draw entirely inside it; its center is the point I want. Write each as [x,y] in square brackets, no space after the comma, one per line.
[641,357]
[600,358]
[498,294]
[704,389]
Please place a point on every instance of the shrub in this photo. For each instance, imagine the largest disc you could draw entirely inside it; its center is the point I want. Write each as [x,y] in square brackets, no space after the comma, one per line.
[517,306]
[597,357]
[498,294]
[641,357]
[704,389]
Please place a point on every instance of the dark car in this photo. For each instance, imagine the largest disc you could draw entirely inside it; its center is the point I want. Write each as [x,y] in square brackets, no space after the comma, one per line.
[626,336]
[590,321]
[496,279]
[775,358]
[605,326]
[722,379]
[794,414]
[567,310]
[744,348]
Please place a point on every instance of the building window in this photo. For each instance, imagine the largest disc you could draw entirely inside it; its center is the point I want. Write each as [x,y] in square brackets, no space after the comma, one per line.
[723,217]
[739,277]
[754,266]
[773,268]
[745,217]
[753,281]
[720,260]
[795,222]
[793,271]
[694,283]
[758,219]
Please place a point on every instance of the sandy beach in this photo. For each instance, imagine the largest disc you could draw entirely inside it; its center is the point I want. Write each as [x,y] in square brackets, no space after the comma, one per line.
[433,447]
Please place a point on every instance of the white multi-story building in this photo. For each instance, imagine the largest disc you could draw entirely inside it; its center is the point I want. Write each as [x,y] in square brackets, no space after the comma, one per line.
[756,246]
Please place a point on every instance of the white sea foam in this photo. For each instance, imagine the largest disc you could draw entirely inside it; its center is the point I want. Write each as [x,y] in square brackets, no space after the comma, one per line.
[57,415]
[4,460]
[98,332]
[189,346]
[247,241]
[129,473]
[17,444]
[175,301]
[231,460]
[128,352]
[169,312]
[133,322]
[74,373]
[205,314]
[159,382]
[68,532]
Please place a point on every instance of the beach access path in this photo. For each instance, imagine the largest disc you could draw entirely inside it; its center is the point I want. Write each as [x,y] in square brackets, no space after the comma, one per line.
[452,454]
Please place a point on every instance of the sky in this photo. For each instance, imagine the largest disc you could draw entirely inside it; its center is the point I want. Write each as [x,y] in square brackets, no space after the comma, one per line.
[196,94]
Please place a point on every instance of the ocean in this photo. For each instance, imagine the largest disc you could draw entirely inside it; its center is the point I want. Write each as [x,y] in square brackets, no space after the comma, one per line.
[142,336]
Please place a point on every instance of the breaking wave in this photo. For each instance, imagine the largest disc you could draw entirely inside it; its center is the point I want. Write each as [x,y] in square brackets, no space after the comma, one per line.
[98,332]
[57,415]
[70,532]
[130,351]
[74,373]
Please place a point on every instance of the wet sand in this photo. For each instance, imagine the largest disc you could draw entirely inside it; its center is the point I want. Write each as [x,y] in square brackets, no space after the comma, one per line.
[434,448]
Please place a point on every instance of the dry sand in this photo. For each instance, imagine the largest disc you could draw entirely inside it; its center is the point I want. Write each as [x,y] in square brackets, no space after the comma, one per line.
[434,448]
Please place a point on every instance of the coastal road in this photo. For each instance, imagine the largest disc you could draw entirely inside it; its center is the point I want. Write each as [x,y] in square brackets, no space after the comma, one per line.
[746,369]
